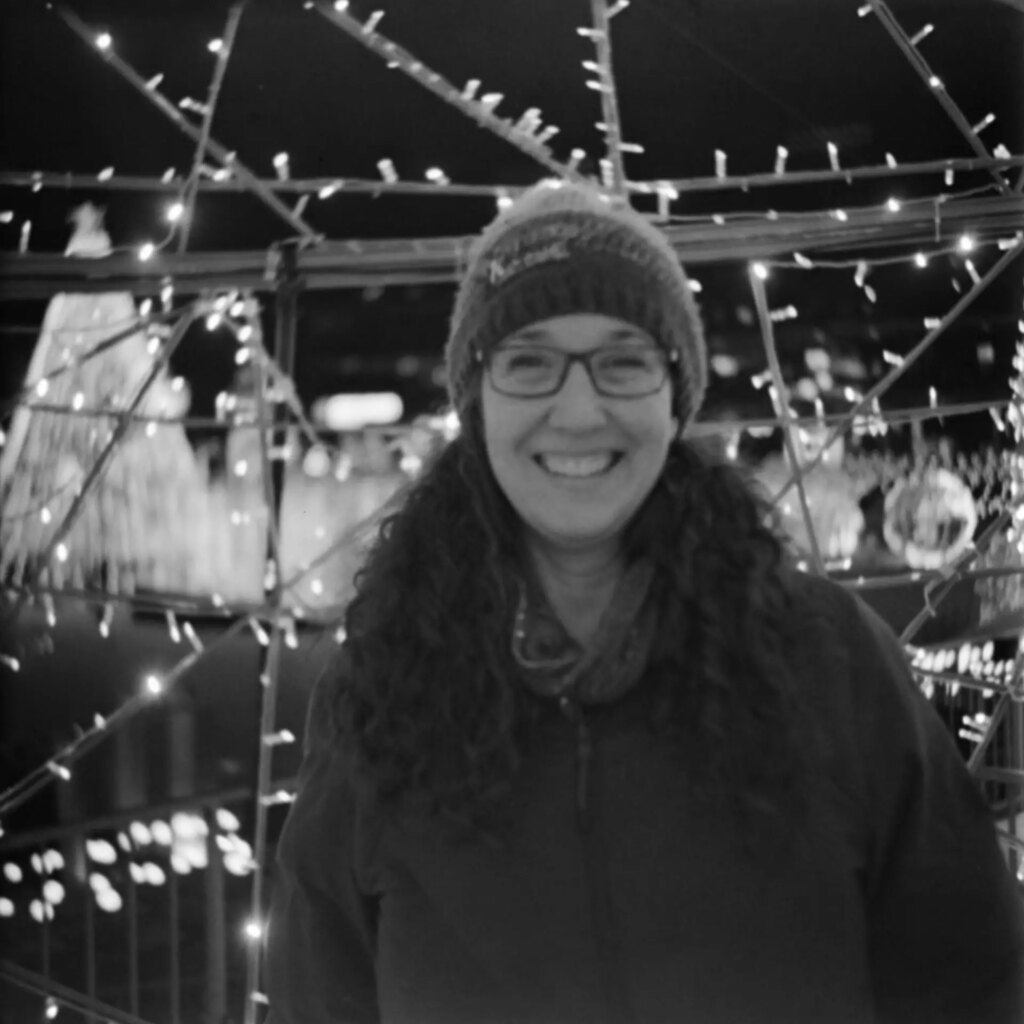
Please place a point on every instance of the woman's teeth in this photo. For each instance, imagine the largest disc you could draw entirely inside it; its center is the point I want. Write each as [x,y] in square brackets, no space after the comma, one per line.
[577,465]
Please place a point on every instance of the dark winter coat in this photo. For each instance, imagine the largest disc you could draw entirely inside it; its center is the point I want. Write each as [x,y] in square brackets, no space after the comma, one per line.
[892,904]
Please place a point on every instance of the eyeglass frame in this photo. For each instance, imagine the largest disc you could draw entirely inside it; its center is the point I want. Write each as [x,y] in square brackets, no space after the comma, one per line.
[668,359]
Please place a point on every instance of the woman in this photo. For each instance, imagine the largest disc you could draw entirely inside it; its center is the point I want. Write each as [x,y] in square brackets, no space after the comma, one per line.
[593,751]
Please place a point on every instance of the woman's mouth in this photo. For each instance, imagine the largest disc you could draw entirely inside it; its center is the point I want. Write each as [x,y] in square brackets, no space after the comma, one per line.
[578,466]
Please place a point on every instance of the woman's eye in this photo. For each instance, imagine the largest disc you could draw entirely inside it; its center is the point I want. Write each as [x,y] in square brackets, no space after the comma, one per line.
[527,361]
[627,361]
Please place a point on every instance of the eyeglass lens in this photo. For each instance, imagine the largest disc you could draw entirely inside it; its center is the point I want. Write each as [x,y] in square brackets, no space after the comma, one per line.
[536,370]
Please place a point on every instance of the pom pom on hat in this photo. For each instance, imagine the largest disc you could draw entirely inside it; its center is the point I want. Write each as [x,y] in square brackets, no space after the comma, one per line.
[565,248]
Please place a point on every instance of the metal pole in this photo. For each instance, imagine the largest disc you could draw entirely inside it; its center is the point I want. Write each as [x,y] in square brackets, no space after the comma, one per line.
[90,946]
[273,459]
[1017,763]
[609,95]
[133,941]
[45,936]
[220,69]
[785,415]
[173,927]
[216,948]
[63,995]
[299,186]
[935,87]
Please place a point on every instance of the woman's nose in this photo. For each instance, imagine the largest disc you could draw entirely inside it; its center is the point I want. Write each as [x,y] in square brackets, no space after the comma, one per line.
[577,405]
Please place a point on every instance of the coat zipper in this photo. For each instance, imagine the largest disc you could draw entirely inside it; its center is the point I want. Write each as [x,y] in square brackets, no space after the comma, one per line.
[584,756]
[617,1004]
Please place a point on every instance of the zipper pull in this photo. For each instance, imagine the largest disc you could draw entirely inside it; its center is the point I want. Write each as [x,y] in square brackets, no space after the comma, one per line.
[584,757]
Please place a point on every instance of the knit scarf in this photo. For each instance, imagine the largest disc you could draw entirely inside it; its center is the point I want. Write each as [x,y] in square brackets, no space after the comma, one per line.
[554,665]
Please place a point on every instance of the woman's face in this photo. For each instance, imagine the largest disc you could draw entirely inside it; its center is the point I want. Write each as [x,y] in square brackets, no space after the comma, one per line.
[576,465]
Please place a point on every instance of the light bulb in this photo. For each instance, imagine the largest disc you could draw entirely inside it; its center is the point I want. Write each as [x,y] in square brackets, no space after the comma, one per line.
[227,820]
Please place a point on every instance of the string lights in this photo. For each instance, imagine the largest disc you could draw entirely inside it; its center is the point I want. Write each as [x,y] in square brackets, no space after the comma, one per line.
[325,187]
[225,157]
[940,586]
[482,111]
[614,174]
[223,48]
[59,766]
[414,261]
[909,48]
[915,353]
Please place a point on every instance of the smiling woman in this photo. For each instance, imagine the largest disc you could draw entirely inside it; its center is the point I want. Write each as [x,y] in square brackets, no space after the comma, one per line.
[577,415]
[593,750]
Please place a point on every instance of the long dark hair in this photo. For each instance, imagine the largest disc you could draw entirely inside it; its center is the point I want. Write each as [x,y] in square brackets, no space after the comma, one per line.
[429,702]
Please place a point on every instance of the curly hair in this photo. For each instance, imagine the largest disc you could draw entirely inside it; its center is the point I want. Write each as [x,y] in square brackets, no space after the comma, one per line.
[429,702]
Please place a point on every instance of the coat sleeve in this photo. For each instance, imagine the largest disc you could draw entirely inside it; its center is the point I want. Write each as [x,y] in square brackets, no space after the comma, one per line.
[321,936]
[944,915]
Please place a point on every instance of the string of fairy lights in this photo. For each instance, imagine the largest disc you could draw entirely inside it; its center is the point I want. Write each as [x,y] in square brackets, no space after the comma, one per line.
[910,47]
[230,164]
[526,133]
[864,403]
[438,186]
[972,666]
[182,212]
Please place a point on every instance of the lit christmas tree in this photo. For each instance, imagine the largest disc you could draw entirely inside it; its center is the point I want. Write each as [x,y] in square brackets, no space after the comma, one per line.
[135,528]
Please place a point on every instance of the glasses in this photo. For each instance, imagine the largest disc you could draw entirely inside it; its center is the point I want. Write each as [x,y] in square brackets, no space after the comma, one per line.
[537,371]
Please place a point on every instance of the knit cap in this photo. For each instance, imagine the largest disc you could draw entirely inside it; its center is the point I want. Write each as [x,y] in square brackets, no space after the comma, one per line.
[563,248]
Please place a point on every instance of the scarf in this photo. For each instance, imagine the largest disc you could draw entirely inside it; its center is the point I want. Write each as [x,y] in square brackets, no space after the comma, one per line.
[554,665]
